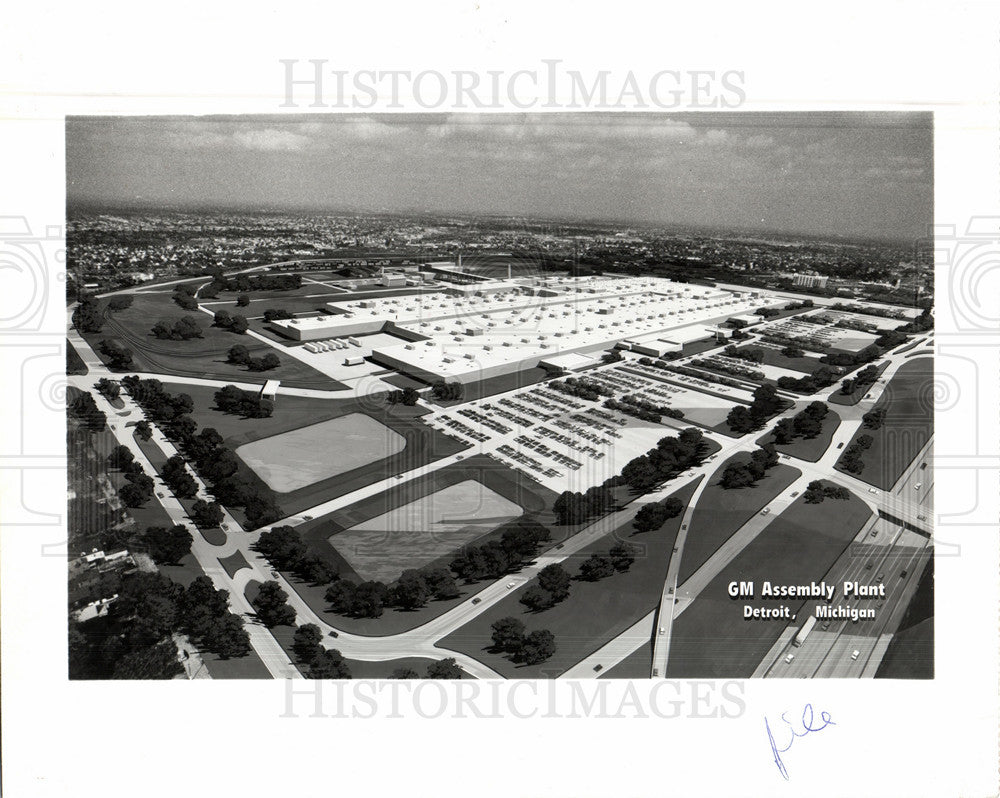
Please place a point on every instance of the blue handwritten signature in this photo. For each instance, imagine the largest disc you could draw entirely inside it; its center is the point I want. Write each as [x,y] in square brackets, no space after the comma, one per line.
[808,727]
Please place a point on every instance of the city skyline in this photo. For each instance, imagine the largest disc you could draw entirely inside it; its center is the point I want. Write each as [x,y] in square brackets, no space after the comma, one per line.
[841,175]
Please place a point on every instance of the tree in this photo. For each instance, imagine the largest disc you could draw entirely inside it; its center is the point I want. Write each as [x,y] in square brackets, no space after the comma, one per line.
[650,516]
[108,388]
[87,316]
[222,319]
[306,642]
[409,396]
[238,354]
[538,646]
[143,430]
[444,669]
[120,302]
[441,583]
[404,673]
[207,514]
[596,567]
[864,441]
[167,545]
[242,300]
[874,419]
[271,605]
[329,664]
[508,635]
[340,596]
[622,556]
[555,580]
[269,361]
[227,637]
[410,590]
[133,495]
[793,352]
[239,325]
[737,475]
[537,598]
[369,599]
[121,456]
[784,431]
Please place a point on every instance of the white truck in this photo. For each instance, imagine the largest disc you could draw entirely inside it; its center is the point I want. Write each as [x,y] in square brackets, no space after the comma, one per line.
[800,638]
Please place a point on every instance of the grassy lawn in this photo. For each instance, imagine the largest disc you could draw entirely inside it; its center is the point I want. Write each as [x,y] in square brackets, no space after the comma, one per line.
[636,665]
[810,449]
[721,511]
[911,651]
[774,357]
[200,357]
[423,444]
[592,615]
[532,497]
[74,363]
[711,639]
[838,398]
[233,563]
[249,666]
[909,424]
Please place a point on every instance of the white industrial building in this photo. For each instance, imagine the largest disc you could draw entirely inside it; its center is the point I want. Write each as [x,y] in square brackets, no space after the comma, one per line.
[467,336]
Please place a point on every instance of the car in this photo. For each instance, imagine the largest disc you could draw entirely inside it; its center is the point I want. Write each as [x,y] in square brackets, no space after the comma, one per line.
[918,486]
[789,658]
[656,671]
[855,654]
[476,600]
[880,577]
[921,517]
[765,511]
[840,445]
[785,457]
[159,495]
[675,549]
[663,630]
[902,574]
[459,456]
[224,526]
[511,585]
[399,476]
[923,466]
[670,591]
[873,490]
[868,565]
[334,633]
[684,526]
[826,624]
[559,546]
[598,667]
[274,573]
[794,494]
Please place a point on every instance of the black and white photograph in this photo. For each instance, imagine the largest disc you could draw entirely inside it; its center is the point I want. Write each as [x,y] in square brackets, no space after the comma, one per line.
[615,387]
[501,397]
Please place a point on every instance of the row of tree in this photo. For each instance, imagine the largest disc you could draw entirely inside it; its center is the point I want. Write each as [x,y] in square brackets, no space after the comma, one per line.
[747,473]
[600,566]
[184,295]
[766,403]
[322,663]
[851,460]
[510,637]
[85,408]
[183,329]
[283,547]
[816,492]
[239,355]
[860,381]
[808,423]
[249,404]
[447,391]
[670,456]
[235,324]
[654,515]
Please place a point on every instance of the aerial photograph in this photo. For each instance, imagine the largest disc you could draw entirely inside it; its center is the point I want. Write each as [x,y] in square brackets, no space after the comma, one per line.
[498,396]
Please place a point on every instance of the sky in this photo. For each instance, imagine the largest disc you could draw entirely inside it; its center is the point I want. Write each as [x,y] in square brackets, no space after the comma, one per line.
[849,174]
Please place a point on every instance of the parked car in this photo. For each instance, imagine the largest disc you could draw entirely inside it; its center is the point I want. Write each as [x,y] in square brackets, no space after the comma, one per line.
[855,654]
[789,658]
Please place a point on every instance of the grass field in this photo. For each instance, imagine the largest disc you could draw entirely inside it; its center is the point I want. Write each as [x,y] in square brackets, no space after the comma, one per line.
[592,615]
[304,456]
[233,563]
[534,499]
[198,357]
[810,449]
[422,443]
[636,665]
[911,651]
[909,424]
[721,511]
[774,357]
[421,531]
[711,639]
[74,363]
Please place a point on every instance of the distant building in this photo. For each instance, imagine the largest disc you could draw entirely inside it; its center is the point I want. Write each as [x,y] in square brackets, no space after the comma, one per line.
[810,280]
